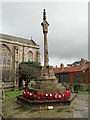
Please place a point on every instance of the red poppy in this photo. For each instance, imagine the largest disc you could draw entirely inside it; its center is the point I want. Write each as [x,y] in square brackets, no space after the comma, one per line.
[56,96]
[45,96]
[39,96]
[67,94]
[25,93]
[31,95]
[60,96]
[50,96]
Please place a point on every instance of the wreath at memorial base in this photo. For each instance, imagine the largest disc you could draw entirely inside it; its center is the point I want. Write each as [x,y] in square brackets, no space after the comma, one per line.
[47,96]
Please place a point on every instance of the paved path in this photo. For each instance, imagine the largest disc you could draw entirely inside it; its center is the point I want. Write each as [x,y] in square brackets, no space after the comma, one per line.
[79,110]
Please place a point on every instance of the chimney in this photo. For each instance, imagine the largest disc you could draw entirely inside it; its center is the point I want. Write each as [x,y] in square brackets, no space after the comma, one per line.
[62,66]
[82,62]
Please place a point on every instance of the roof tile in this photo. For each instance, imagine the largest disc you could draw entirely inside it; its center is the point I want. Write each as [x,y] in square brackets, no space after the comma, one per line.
[70,69]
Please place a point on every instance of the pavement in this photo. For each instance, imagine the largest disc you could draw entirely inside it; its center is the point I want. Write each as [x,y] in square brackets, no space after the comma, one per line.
[11,109]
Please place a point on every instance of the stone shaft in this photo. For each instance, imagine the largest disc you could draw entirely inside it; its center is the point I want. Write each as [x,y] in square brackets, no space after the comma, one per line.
[45,31]
[46,60]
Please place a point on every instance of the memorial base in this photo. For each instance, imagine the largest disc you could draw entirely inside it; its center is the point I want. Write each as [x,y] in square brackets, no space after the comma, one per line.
[44,104]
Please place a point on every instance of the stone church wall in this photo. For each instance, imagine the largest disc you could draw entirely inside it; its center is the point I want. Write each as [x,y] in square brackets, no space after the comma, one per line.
[18,52]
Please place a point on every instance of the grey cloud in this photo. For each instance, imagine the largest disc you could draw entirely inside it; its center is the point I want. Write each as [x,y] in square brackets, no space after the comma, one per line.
[68,31]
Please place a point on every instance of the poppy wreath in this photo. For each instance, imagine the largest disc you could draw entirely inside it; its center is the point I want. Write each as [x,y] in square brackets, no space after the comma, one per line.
[67,94]
[31,95]
[50,96]
[45,96]
[25,94]
[60,96]
[39,96]
[56,96]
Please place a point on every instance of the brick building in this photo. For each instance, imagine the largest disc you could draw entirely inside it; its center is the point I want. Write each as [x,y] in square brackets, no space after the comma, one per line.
[14,50]
[77,72]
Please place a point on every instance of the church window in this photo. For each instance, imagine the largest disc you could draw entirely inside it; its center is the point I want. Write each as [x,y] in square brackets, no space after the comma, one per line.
[5,56]
[8,59]
[30,55]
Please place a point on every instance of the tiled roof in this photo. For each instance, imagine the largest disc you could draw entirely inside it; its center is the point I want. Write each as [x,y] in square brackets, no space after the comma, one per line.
[17,39]
[70,69]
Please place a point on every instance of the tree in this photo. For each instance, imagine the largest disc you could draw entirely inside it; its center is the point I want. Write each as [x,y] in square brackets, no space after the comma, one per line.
[28,71]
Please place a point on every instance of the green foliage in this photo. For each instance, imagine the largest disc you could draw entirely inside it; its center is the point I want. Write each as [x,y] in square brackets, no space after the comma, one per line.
[29,70]
[30,63]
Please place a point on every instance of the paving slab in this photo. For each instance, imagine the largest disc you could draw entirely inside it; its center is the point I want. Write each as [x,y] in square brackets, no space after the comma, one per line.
[13,110]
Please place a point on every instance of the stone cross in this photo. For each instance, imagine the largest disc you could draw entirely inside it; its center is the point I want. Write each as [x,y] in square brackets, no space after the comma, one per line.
[45,31]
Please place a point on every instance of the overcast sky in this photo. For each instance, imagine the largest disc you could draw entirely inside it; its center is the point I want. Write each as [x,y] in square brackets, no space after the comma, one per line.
[68,30]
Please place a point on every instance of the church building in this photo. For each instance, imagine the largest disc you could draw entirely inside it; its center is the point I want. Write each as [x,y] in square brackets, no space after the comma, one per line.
[14,50]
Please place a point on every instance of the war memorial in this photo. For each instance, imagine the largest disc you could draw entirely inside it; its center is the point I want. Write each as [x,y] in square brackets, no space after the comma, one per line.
[46,92]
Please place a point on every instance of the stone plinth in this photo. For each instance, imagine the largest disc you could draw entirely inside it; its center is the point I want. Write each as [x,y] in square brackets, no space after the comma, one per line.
[47,82]
[43,104]
[48,85]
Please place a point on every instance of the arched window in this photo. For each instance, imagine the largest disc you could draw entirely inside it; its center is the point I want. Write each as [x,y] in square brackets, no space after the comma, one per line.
[5,56]
[38,57]
[30,55]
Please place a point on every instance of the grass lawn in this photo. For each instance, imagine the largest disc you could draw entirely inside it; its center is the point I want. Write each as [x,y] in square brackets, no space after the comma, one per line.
[84,92]
[13,93]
